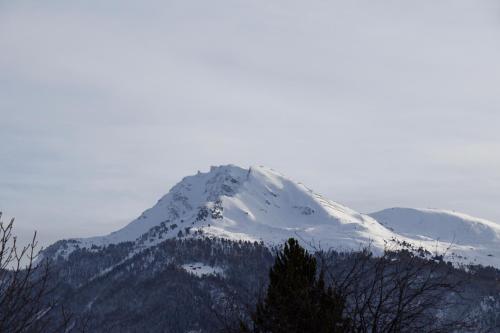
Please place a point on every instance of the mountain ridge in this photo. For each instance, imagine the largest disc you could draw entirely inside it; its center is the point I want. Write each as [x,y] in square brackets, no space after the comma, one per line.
[261,205]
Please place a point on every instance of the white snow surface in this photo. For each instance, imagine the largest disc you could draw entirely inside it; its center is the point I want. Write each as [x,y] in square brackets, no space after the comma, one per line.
[259,204]
[200,269]
[474,238]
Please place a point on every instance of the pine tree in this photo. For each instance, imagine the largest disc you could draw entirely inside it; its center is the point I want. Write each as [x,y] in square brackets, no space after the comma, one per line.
[297,300]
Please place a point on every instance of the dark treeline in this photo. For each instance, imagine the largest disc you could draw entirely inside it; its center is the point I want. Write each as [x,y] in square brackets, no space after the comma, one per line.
[398,291]
[116,288]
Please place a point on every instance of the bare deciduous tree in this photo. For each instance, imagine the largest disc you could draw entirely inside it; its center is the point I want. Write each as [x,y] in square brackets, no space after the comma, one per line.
[402,290]
[25,287]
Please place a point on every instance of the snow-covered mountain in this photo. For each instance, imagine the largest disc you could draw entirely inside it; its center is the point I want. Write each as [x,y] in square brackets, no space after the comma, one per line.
[474,238]
[259,204]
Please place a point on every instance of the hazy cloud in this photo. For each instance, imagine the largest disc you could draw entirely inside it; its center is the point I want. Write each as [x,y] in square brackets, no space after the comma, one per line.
[104,106]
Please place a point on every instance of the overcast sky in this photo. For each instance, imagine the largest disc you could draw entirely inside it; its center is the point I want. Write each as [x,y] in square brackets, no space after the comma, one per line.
[104,105]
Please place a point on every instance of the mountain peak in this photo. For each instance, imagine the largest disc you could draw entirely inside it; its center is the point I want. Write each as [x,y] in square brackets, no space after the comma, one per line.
[254,204]
[260,204]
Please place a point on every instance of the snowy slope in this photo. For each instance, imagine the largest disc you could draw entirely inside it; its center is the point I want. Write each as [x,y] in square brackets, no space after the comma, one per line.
[255,204]
[471,237]
[259,204]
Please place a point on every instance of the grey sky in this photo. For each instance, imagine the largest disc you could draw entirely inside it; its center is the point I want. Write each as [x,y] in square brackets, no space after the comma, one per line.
[105,105]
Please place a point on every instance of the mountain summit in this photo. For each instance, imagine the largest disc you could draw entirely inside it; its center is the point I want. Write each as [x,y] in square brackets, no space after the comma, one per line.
[261,205]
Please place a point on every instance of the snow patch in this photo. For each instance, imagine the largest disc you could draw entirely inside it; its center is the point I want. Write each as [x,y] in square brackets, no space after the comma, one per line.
[200,269]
